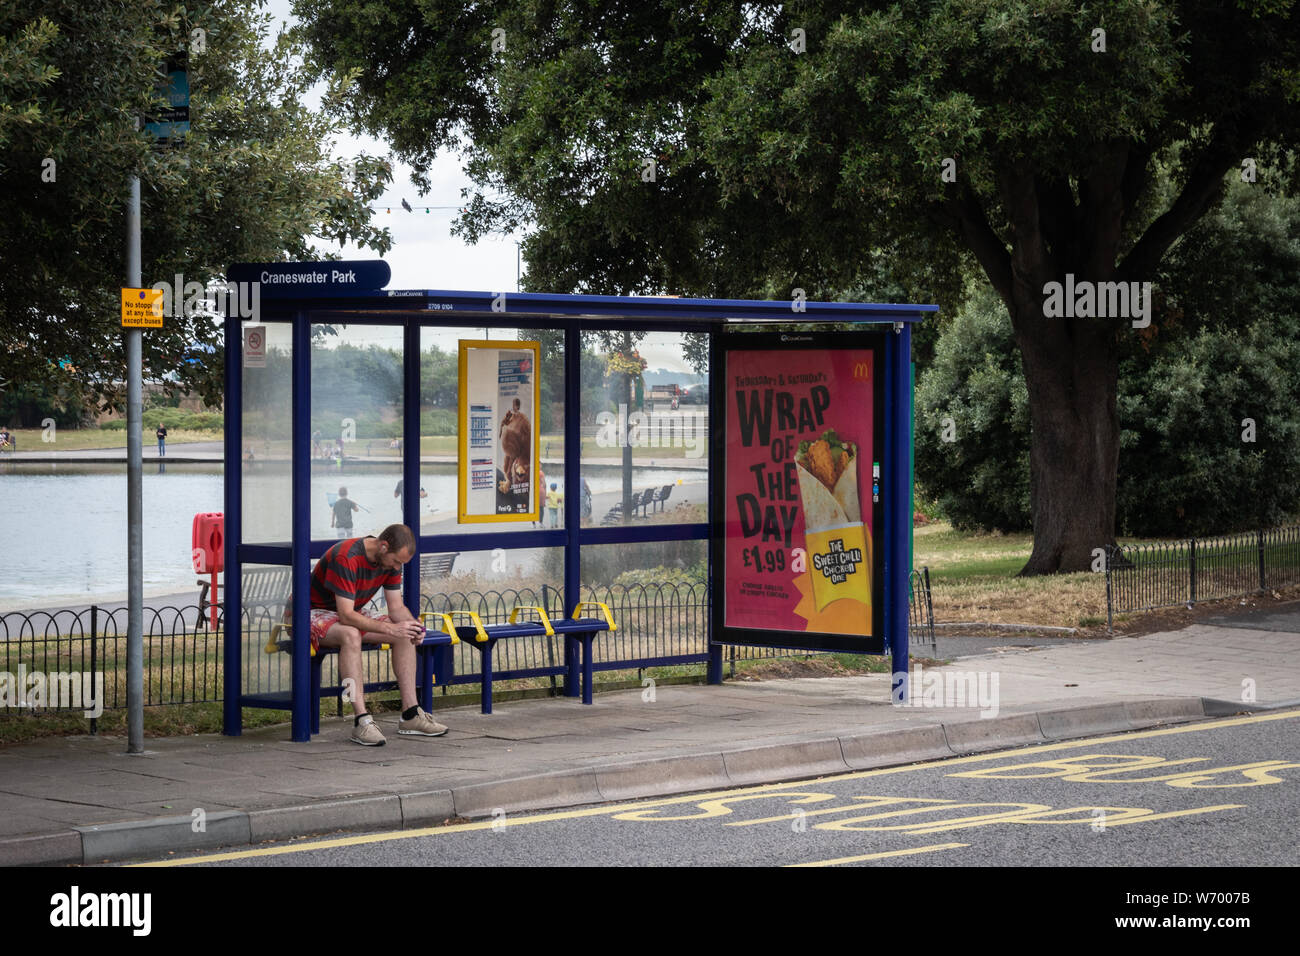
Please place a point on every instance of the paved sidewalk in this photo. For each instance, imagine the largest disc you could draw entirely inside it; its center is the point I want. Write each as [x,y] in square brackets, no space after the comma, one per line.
[81,799]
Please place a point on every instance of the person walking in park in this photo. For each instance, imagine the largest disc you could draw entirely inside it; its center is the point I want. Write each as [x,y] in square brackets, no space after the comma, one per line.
[343,582]
[553,501]
[161,433]
[341,519]
[7,440]
[397,493]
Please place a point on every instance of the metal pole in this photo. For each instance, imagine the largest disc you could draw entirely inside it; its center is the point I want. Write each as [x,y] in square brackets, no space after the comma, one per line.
[134,506]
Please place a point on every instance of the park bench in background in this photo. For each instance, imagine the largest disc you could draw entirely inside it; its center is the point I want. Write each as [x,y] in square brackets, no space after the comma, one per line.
[265,590]
[638,501]
[437,565]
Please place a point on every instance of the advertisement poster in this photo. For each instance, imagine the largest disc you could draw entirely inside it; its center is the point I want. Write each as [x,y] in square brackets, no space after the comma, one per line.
[801,486]
[499,397]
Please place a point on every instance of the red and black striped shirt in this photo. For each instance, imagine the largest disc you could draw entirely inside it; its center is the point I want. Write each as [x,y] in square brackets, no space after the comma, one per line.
[346,571]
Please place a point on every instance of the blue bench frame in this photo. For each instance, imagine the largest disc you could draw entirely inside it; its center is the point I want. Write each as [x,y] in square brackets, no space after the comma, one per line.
[582,631]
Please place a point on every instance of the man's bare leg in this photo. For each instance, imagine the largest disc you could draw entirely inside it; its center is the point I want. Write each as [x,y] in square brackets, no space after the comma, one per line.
[403,652]
[348,640]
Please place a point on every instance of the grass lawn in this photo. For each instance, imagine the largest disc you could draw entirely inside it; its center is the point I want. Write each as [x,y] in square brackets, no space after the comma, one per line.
[78,439]
[973,578]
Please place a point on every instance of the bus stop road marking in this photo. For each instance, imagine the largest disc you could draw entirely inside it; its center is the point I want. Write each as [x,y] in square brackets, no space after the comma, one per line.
[881,856]
[643,805]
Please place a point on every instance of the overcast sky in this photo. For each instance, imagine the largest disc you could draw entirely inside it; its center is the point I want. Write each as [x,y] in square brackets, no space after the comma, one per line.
[425,255]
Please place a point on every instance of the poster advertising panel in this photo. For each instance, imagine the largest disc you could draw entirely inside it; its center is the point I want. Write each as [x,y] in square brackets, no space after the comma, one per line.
[800,495]
[499,398]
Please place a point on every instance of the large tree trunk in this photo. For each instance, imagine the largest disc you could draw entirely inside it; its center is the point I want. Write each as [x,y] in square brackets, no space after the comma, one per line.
[1071,373]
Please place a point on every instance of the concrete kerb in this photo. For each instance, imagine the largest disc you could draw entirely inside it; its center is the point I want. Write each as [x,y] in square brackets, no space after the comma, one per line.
[46,849]
[642,779]
[811,758]
[362,813]
[1230,708]
[870,751]
[118,841]
[545,791]
[668,775]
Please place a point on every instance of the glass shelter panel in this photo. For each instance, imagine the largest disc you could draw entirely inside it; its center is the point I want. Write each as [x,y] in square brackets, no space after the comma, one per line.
[356,418]
[645,427]
[267,456]
[530,444]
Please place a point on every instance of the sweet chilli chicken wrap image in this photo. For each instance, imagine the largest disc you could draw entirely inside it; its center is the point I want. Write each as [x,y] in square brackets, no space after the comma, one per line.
[838,555]
[829,464]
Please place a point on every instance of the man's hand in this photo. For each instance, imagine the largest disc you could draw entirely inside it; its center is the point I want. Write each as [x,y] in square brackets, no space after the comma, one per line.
[411,630]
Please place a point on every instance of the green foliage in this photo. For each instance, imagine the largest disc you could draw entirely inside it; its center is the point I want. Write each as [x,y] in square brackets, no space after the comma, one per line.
[173,418]
[438,421]
[1190,384]
[693,576]
[27,405]
[1187,387]
[254,180]
[979,478]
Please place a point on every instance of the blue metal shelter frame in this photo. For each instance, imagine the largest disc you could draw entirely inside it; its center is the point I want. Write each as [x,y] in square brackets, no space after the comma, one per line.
[302,306]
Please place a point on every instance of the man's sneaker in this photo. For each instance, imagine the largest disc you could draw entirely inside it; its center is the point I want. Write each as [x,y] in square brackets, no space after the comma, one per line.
[367,734]
[421,725]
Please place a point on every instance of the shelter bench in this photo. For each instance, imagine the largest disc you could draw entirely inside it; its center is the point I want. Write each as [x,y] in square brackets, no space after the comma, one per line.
[483,638]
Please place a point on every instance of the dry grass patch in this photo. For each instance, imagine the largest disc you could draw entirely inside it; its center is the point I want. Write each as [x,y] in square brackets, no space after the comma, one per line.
[1063,600]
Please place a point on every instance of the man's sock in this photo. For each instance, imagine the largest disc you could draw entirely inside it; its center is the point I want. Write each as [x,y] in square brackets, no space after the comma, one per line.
[410,712]
[357,720]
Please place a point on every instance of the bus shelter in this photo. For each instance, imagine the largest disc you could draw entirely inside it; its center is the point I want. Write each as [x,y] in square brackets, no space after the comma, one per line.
[800,511]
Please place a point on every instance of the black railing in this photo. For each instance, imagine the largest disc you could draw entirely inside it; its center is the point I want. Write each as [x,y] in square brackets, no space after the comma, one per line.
[658,625]
[1142,577]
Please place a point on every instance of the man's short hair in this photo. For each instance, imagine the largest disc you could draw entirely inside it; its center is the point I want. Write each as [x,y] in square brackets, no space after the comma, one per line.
[397,537]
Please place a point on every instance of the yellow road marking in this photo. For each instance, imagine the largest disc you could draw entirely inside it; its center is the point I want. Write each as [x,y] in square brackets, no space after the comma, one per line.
[717,794]
[881,856]
[1170,815]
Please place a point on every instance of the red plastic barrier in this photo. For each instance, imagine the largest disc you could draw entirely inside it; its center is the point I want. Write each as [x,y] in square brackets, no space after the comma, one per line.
[208,551]
[209,542]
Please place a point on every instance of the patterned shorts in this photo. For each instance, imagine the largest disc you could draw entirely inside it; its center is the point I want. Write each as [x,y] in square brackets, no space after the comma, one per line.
[323,619]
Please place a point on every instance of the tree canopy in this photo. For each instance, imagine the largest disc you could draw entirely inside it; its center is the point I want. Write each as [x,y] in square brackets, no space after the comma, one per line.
[254,180]
[755,149]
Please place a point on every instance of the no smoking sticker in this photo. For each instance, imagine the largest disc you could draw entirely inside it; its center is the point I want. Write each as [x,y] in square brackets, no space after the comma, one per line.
[255,348]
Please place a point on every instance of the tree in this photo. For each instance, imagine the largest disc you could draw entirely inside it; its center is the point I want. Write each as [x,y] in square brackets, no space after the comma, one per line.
[729,148]
[254,180]
[1209,410]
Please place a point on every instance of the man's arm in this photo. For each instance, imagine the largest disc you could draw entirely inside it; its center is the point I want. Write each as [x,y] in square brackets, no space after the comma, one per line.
[401,615]
[391,630]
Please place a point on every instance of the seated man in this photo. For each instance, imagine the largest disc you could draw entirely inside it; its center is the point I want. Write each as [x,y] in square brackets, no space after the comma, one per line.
[343,581]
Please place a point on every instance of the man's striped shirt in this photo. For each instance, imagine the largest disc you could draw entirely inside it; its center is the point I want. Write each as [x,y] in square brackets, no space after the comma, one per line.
[346,571]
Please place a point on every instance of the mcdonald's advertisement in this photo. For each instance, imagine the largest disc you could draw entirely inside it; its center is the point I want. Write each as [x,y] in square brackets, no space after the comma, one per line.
[801,492]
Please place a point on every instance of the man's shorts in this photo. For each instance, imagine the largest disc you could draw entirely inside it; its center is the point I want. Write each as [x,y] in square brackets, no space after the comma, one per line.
[322,619]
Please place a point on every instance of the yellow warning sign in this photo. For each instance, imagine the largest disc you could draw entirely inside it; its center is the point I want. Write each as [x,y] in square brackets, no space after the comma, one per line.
[142,309]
